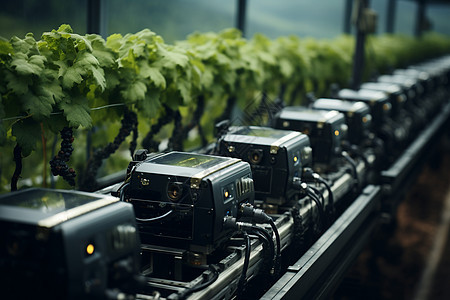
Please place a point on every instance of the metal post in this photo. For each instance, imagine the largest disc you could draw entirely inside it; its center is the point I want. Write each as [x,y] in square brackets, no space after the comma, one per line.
[347,16]
[358,58]
[391,11]
[420,18]
[241,15]
[96,17]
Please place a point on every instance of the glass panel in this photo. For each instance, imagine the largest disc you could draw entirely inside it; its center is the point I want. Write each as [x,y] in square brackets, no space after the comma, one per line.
[405,19]
[438,15]
[22,16]
[380,6]
[173,19]
[320,19]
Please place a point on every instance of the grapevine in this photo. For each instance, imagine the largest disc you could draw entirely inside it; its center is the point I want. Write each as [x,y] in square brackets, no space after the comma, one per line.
[18,170]
[129,125]
[148,142]
[56,81]
[58,164]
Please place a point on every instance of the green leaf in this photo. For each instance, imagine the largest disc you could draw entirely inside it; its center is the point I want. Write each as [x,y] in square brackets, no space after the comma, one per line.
[154,74]
[77,112]
[6,48]
[151,103]
[99,77]
[171,57]
[37,104]
[19,85]
[135,91]
[72,75]
[27,133]
[27,66]
[2,127]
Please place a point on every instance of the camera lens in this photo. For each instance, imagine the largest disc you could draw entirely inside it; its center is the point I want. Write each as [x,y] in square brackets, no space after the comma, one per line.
[174,190]
[255,156]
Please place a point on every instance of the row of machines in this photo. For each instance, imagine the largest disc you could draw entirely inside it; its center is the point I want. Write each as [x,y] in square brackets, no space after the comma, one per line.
[225,221]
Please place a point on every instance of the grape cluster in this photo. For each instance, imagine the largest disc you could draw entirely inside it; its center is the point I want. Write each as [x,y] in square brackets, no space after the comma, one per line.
[129,125]
[58,164]
[18,170]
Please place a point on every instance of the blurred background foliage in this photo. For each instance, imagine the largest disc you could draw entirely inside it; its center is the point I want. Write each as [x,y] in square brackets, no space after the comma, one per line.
[180,80]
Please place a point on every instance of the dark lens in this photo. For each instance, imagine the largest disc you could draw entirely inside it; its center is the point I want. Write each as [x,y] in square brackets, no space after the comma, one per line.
[175,190]
[255,156]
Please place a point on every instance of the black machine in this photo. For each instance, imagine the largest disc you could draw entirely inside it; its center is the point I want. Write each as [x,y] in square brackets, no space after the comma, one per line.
[181,199]
[357,117]
[324,128]
[276,157]
[396,95]
[377,101]
[66,245]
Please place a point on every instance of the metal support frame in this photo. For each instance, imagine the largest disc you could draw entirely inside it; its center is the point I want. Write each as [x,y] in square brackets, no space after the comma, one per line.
[391,12]
[347,16]
[400,175]
[358,58]
[241,15]
[316,274]
[96,17]
[420,17]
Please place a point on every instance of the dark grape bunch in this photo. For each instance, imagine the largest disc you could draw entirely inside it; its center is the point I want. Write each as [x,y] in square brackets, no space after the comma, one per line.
[59,163]
[129,125]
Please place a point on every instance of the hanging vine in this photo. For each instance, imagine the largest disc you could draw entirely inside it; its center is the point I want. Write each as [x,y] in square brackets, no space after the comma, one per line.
[129,125]
[58,164]
[18,170]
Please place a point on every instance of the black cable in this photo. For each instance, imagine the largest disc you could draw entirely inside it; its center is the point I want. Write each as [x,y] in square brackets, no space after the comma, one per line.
[122,192]
[318,194]
[353,165]
[330,192]
[316,200]
[246,263]
[266,246]
[304,188]
[215,270]
[278,241]
[309,173]
[268,238]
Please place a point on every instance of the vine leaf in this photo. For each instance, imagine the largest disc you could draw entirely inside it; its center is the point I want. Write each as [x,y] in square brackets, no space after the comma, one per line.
[135,91]
[70,75]
[37,105]
[77,112]
[151,103]
[27,133]
[19,85]
[154,74]
[27,66]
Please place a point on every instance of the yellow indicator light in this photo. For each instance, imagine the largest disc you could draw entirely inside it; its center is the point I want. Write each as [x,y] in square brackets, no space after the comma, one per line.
[90,249]
[364,119]
[336,132]
[385,106]
[295,158]
[226,194]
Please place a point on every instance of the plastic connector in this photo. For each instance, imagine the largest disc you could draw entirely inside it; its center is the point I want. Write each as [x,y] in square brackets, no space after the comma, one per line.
[257,215]
[309,173]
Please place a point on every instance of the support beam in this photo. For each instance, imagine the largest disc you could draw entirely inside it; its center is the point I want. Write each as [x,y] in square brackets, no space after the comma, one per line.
[241,15]
[96,17]
[347,16]
[391,12]
[420,17]
[358,58]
